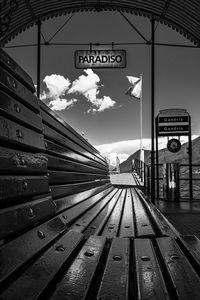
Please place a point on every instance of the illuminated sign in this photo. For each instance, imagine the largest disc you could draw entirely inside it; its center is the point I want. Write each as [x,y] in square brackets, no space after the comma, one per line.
[173,122]
[100,59]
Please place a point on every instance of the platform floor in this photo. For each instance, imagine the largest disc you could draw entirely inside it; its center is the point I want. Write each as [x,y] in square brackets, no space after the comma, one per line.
[123,179]
[185,216]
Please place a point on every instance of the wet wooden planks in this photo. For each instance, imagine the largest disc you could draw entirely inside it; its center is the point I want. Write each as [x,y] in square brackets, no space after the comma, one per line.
[23,168]
[73,165]
[43,159]
[111,213]
[98,268]
[98,211]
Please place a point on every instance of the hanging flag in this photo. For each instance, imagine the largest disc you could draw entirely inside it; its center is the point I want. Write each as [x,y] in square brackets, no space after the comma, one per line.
[135,89]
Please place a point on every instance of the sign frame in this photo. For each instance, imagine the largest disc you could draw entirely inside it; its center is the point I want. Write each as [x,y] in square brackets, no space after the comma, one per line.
[101,55]
[175,115]
[173,122]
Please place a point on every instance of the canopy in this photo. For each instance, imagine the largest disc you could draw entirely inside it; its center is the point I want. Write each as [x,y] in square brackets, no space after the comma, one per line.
[18,15]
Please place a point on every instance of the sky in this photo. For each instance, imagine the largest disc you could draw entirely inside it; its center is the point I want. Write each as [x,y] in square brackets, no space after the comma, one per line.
[94,102]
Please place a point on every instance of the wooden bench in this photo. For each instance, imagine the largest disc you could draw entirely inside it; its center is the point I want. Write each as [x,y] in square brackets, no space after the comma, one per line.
[65,231]
[74,267]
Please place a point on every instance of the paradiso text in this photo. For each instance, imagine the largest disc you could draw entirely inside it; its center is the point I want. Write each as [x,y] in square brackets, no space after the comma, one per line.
[100,59]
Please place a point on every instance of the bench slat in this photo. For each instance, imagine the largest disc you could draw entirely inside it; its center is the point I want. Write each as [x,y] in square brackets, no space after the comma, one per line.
[69,201]
[15,187]
[62,140]
[13,133]
[143,224]
[97,225]
[19,113]
[150,281]
[78,277]
[55,116]
[11,66]
[112,225]
[57,163]
[59,191]
[13,87]
[84,221]
[192,246]
[63,130]
[106,213]
[184,278]
[16,218]
[64,152]
[75,212]
[33,282]
[159,220]
[114,283]
[60,177]
[127,225]
[13,162]
[21,250]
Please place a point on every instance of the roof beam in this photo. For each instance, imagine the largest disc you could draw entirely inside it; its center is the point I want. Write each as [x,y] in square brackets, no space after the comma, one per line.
[105,44]
[131,24]
[65,23]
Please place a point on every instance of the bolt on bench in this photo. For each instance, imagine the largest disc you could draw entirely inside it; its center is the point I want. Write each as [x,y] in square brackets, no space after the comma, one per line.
[65,231]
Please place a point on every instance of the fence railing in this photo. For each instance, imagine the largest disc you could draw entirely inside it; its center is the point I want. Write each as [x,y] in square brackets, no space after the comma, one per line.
[172,181]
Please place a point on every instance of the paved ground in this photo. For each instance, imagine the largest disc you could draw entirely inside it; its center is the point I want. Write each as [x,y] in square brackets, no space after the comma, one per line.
[122,179]
[185,216]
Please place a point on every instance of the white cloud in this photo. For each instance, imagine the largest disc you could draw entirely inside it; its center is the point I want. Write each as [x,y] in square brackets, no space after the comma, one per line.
[102,104]
[87,85]
[60,104]
[123,149]
[57,85]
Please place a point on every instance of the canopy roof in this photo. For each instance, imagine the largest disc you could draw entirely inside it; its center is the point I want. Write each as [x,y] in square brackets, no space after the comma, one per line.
[18,15]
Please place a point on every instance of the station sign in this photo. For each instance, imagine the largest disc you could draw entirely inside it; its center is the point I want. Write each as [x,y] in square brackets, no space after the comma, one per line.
[172,122]
[100,59]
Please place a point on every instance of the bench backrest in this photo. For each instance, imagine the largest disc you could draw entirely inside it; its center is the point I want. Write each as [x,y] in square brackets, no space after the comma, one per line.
[42,158]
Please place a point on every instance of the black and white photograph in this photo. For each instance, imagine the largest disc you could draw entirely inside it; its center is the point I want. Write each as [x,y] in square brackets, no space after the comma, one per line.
[99,150]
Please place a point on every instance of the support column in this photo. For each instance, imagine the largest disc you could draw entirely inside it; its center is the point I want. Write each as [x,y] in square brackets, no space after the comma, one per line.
[38,56]
[152,108]
[190,161]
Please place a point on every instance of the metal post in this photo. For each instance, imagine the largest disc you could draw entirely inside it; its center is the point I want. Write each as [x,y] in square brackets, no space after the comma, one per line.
[157,161]
[38,56]
[152,108]
[141,151]
[190,161]
[148,181]
[141,100]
